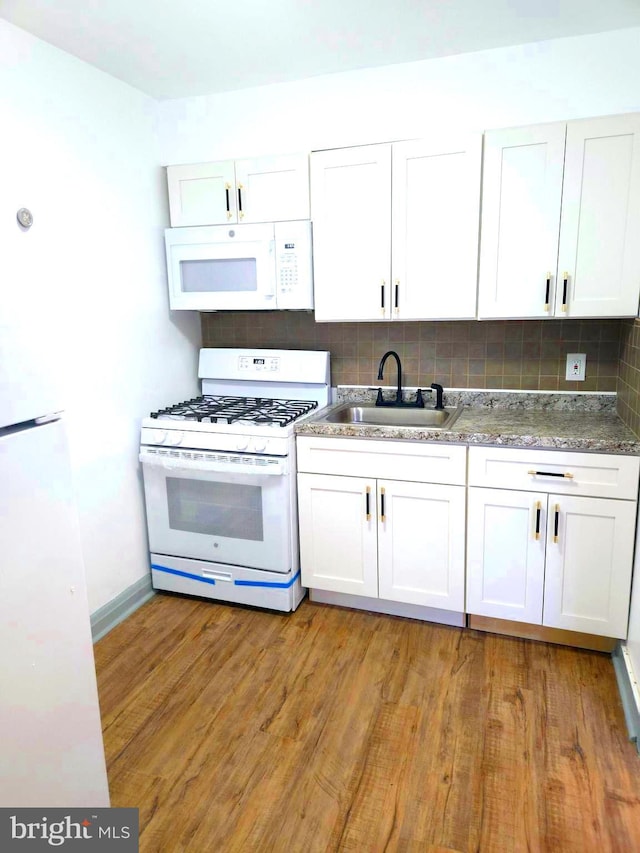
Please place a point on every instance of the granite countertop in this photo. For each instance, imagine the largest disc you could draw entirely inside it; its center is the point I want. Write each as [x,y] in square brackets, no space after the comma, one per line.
[569,421]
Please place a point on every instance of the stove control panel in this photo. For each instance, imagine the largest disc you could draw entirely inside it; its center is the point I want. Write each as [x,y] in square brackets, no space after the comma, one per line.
[200,437]
[258,364]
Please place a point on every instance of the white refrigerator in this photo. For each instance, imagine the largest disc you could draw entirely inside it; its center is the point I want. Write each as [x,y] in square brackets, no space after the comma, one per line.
[51,747]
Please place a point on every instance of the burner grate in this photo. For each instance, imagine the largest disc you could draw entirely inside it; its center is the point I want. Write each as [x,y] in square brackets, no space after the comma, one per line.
[228,410]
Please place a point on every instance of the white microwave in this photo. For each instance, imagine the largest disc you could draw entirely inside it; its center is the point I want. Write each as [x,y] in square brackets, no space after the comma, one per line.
[240,267]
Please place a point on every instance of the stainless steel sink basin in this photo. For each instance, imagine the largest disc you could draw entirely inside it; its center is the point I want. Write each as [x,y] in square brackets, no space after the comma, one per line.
[427,418]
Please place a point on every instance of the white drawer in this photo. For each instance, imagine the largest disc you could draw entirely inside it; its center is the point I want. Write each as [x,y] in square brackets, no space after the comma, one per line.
[561,472]
[416,461]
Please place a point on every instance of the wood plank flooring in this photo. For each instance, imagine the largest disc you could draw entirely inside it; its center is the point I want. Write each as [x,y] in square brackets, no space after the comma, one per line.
[336,730]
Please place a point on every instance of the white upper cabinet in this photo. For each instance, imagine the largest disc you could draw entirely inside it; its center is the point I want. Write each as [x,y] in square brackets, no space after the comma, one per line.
[273,189]
[521,195]
[435,223]
[202,194]
[559,225]
[396,230]
[599,254]
[351,213]
[266,189]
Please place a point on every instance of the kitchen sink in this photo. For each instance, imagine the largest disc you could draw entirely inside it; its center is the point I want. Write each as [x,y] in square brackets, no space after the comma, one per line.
[369,414]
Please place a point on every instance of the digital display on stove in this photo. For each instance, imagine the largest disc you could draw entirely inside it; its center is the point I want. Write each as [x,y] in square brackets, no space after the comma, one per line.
[258,360]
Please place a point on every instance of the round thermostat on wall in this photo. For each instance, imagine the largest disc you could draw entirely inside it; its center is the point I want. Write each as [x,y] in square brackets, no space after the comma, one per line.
[25,217]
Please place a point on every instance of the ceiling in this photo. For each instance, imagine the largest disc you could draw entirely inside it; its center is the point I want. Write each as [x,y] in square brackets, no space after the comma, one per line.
[172,49]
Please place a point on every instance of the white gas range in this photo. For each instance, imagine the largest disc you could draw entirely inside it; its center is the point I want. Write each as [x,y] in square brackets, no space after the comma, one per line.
[220,477]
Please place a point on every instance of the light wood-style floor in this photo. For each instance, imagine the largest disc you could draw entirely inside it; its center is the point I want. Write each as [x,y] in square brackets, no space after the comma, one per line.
[336,730]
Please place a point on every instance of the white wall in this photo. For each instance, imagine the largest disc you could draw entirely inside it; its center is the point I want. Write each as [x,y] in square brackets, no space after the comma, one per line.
[545,81]
[80,147]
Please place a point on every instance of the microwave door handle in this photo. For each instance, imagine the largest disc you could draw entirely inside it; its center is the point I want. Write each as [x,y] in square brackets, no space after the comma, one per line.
[271,294]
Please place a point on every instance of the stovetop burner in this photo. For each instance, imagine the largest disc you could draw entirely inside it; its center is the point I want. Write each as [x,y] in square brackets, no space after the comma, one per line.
[229,410]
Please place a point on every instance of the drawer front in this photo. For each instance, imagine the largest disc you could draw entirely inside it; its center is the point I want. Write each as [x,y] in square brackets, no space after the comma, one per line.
[561,472]
[414,461]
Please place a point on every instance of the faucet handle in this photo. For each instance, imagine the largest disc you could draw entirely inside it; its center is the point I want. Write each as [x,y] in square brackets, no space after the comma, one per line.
[379,398]
[419,399]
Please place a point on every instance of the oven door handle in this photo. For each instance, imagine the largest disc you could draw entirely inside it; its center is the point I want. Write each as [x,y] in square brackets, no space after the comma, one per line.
[254,466]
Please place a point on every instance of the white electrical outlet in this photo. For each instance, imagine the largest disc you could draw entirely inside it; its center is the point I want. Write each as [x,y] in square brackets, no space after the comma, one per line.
[576,366]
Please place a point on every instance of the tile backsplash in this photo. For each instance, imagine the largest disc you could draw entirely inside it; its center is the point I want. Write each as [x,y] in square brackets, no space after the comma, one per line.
[629,376]
[516,354]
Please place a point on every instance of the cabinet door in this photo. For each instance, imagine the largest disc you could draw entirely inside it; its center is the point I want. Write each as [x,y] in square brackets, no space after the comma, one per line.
[351,212]
[505,554]
[421,544]
[272,189]
[521,194]
[600,227]
[435,222]
[589,562]
[338,547]
[202,194]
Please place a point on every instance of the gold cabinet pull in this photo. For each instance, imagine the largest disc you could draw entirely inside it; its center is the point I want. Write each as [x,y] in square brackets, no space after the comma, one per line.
[567,474]
[368,503]
[383,284]
[565,283]
[227,189]
[396,299]
[536,534]
[240,210]
[383,517]
[556,522]
[547,291]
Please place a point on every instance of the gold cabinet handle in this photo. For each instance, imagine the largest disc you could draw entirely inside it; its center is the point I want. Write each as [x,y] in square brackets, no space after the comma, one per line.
[383,517]
[227,190]
[556,522]
[396,297]
[547,292]
[240,210]
[368,503]
[383,285]
[536,534]
[567,474]
[565,284]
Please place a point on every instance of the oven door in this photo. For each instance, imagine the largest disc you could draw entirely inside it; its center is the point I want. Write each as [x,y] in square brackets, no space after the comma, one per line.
[225,509]
[219,267]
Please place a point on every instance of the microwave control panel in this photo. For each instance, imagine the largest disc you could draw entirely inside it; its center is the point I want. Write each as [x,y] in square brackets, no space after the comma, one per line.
[294,265]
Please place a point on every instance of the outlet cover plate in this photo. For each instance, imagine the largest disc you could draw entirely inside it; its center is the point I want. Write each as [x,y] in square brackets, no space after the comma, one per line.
[576,366]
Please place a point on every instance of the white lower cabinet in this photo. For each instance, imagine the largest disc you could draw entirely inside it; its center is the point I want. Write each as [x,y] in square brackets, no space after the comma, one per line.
[421,544]
[505,562]
[588,567]
[557,559]
[397,540]
[338,539]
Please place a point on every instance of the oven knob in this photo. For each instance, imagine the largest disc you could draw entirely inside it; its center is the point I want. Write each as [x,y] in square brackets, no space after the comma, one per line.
[242,444]
[160,438]
[177,438]
[260,445]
